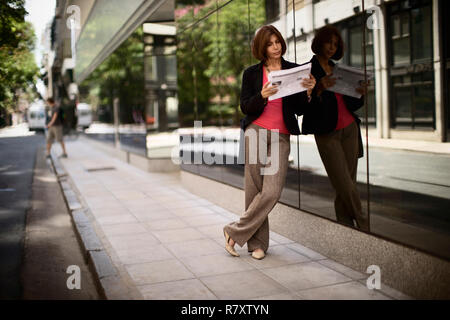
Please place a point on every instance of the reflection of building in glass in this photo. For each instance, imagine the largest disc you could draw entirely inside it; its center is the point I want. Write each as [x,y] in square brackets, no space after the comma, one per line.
[406,99]
[124,50]
[160,76]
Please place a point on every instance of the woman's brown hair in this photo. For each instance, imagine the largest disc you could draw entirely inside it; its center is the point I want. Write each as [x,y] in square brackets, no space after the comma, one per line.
[324,35]
[261,40]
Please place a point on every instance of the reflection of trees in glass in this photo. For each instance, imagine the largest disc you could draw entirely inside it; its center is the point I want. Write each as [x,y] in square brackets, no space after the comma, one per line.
[192,60]
[120,75]
[211,57]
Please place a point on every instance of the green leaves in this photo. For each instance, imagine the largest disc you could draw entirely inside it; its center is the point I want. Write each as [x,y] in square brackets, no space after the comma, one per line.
[218,50]
[18,70]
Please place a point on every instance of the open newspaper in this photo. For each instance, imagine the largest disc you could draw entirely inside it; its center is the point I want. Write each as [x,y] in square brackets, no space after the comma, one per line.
[348,79]
[289,80]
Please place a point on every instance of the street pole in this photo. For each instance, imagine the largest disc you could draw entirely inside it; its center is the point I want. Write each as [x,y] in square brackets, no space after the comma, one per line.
[116,123]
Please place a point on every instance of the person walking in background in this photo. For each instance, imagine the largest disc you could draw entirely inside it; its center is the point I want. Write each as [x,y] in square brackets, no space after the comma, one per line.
[264,119]
[55,128]
[331,118]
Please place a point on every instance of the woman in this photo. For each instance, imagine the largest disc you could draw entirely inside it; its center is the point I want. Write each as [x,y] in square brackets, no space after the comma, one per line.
[264,120]
[335,126]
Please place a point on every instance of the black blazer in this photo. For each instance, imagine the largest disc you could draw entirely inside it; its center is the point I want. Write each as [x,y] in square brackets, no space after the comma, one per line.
[321,115]
[253,104]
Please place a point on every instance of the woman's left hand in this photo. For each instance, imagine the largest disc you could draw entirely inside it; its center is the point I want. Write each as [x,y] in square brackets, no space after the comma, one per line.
[309,84]
[362,90]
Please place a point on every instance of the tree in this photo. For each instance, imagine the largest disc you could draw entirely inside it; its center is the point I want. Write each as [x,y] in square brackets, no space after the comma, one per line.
[18,69]
[12,14]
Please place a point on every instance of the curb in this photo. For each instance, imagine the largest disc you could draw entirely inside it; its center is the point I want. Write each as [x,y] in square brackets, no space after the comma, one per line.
[96,256]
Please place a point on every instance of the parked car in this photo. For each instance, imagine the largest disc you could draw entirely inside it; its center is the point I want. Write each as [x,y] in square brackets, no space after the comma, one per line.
[36,115]
[84,115]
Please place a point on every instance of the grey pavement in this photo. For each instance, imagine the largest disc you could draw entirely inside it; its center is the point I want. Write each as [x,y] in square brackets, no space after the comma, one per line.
[167,243]
[51,244]
[17,159]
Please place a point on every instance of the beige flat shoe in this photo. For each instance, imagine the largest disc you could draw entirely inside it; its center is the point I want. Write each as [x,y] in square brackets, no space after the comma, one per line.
[229,248]
[258,255]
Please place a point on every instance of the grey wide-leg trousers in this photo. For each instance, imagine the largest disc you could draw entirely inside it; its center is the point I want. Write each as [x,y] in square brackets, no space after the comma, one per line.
[262,192]
[339,153]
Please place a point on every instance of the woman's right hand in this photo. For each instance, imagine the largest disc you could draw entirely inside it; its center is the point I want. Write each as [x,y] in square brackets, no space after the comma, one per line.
[268,91]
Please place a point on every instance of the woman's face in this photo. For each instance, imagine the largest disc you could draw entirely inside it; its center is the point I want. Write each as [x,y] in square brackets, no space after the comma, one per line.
[330,47]
[274,48]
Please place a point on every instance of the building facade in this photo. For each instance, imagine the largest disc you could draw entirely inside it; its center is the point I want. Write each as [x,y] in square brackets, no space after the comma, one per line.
[406,49]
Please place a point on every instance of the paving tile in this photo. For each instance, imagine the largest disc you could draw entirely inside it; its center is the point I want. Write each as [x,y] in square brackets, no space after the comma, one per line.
[100,213]
[355,275]
[313,255]
[128,242]
[277,256]
[215,264]
[242,285]
[191,289]
[95,193]
[305,275]
[106,203]
[138,206]
[166,224]
[158,271]
[195,248]
[163,198]
[116,219]
[143,254]
[279,238]
[281,296]
[217,208]
[389,291]
[192,211]
[178,235]
[229,215]
[205,220]
[213,231]
[153,215]
[343,291]
[128,195]
[204,202]
[181,204]
[122,229]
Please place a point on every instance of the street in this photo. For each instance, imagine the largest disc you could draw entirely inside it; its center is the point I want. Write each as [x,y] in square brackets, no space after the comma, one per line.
[37,240]
[16,175]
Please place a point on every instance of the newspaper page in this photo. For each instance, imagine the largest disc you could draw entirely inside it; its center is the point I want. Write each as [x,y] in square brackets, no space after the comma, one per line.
[289,80]
[348,79]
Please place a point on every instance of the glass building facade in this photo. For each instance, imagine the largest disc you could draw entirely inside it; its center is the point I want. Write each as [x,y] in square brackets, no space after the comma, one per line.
[195,74]
[404,192]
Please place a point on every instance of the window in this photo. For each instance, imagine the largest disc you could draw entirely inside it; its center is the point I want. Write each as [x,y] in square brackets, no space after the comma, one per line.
[272,10]
[400,39]
[352,35]
[412,78]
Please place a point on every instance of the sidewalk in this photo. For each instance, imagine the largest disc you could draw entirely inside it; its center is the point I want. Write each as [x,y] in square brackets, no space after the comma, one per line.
[167,243]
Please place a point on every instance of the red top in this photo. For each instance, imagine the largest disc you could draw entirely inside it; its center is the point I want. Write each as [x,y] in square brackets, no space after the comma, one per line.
[272,116]
[345,118]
